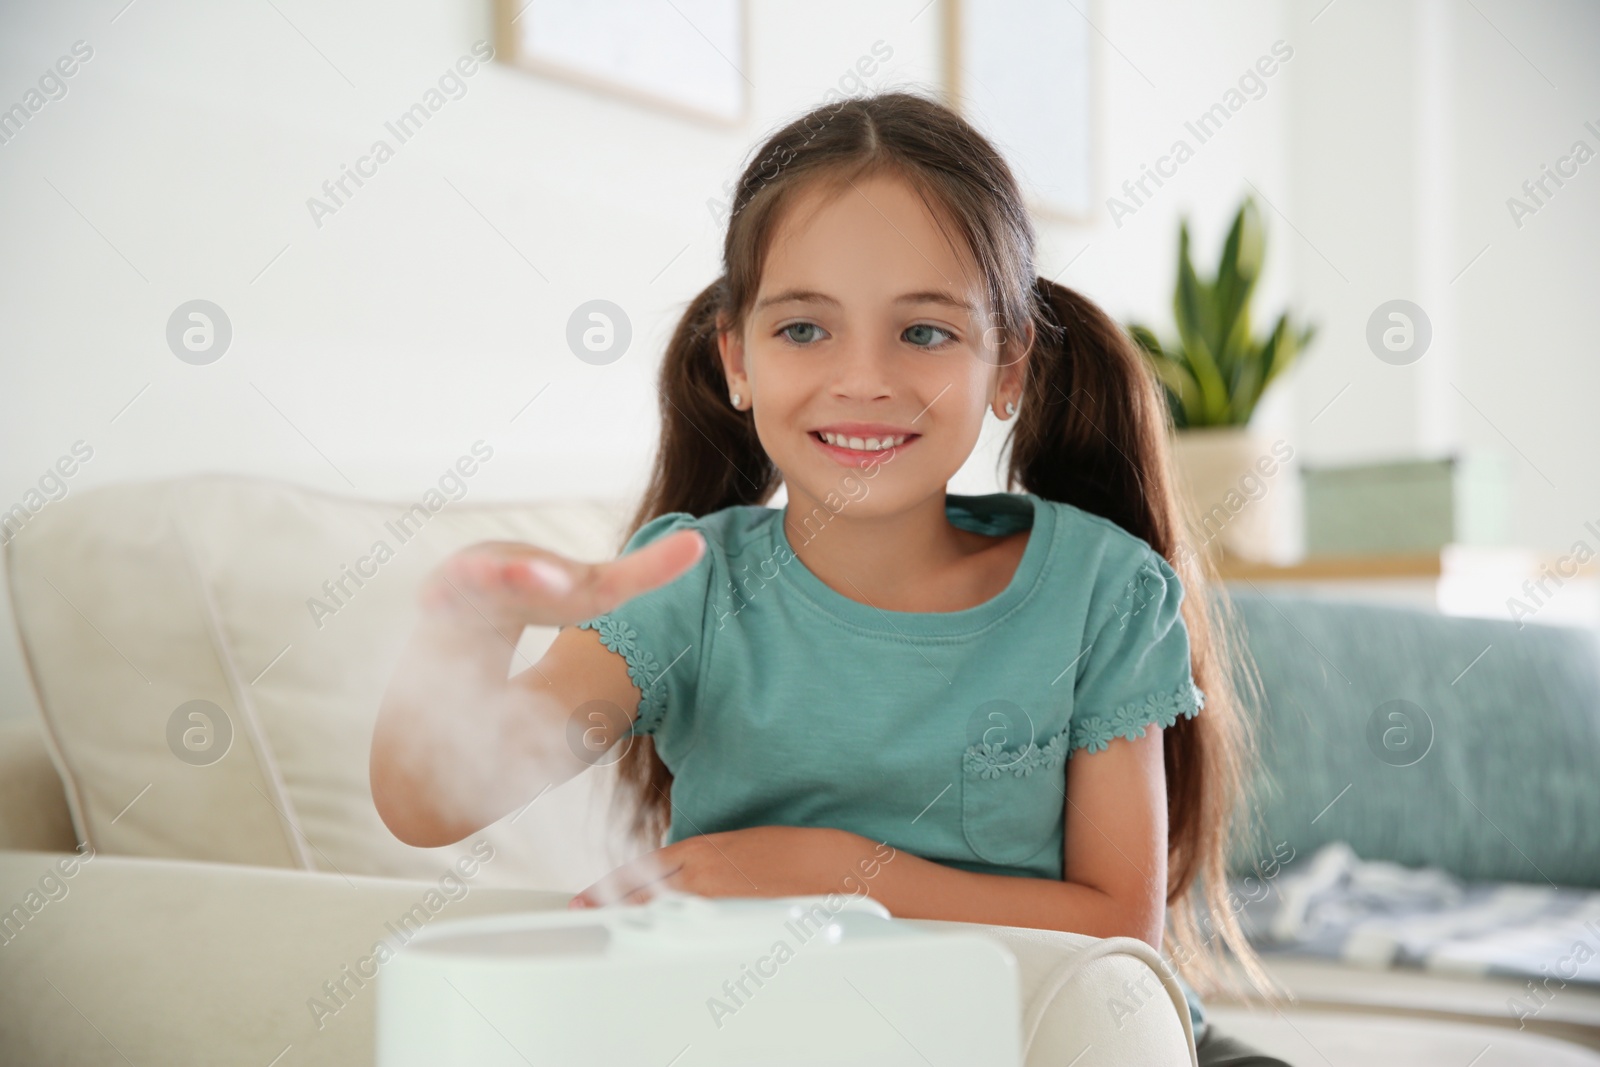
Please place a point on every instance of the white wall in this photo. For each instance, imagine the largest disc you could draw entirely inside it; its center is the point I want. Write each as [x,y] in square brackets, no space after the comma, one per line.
[1413,125]
[1530,308]
[376,348]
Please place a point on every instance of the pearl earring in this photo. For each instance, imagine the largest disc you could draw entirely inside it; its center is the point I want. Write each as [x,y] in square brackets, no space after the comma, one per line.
[735,399]
[1011,409]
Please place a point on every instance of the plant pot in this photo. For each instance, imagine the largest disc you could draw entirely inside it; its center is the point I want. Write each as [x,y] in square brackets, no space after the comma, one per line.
[1235,488]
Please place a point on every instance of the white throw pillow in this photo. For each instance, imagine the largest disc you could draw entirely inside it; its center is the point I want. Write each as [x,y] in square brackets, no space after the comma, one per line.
[134,600]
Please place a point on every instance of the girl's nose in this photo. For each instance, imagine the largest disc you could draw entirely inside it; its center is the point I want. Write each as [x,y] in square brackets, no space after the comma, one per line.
[865,370]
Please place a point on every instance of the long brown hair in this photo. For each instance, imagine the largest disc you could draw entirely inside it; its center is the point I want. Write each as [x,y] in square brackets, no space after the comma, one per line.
[1091,430]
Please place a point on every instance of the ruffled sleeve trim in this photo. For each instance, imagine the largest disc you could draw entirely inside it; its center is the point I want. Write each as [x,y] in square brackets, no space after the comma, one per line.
[1096,732]
[643,668]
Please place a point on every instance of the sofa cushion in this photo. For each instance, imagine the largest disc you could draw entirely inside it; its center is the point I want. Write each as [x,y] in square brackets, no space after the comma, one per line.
[1570,1012]
[1386,1039]
[209,697]
[1429,740]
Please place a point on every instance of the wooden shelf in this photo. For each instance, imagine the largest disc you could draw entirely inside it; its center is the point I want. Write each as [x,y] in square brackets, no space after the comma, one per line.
[1518,584]
[1333,568]
[1452,560]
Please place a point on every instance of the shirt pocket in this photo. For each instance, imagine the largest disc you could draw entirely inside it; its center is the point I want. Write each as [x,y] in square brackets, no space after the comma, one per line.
[1012,800]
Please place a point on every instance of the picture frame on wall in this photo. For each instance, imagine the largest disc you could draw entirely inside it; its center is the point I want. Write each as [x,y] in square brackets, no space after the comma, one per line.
[688,57]
[1023,72]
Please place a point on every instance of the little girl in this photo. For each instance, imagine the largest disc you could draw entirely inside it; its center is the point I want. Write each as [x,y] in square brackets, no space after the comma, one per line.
[993,701]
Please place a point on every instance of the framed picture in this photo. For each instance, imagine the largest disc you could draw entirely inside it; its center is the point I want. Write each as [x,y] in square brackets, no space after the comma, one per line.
[1022,72]
[687,57]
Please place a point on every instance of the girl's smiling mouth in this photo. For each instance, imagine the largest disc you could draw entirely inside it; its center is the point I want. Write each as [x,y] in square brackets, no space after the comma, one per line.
[851,442]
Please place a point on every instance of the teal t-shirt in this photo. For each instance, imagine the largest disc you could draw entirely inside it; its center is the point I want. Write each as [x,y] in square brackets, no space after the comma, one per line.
[777,700]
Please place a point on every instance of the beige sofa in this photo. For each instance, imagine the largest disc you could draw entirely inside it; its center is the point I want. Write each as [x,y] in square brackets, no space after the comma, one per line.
[192,861]
[190,858]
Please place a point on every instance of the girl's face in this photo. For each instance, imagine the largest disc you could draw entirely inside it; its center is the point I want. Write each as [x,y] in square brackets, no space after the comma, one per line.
[868,329]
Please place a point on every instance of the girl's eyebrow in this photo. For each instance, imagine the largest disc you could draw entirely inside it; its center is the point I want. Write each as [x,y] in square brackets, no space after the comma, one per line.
[812,296]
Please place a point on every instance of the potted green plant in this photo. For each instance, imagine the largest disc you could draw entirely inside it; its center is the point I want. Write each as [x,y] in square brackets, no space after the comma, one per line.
[1214,374]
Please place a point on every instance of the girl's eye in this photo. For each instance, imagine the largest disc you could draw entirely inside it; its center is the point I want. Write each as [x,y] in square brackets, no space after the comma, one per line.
[799,326]
[919,340]
[923,334]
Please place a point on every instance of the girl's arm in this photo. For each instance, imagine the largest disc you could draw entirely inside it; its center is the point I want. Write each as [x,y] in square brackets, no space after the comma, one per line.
[1115,876]
[457,744]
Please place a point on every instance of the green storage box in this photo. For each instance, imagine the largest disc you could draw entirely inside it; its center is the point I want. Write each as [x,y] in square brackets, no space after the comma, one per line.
[1407,506]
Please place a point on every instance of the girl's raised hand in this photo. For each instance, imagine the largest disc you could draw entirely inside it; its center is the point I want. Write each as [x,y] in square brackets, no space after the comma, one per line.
[511,584]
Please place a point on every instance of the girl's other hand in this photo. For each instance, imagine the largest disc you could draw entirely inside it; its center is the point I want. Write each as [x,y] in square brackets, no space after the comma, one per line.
[511,584]
[759,861]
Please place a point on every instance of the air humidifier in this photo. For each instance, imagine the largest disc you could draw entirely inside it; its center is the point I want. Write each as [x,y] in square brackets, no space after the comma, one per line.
[690,981]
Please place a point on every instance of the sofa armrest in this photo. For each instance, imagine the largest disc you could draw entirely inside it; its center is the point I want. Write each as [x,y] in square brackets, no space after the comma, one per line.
[33,803]
[1080,993]
[189,964]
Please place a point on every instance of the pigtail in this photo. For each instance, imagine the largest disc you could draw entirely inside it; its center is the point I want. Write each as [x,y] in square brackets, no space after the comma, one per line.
[1092,432]
[709,459]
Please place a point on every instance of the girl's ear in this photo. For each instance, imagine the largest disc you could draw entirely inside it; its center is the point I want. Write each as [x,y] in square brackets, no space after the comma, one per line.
[1012,369]
[730,347]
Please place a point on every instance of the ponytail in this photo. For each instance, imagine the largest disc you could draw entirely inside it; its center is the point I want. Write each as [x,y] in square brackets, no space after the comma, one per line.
[1092,432]
[710,458]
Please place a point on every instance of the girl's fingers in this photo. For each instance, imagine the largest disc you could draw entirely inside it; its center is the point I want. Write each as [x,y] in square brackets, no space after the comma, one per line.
[471,570]
[614,887]
[488,571]
[642,895]
[543,588]
[551,577]
[654,565]
[635,882]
